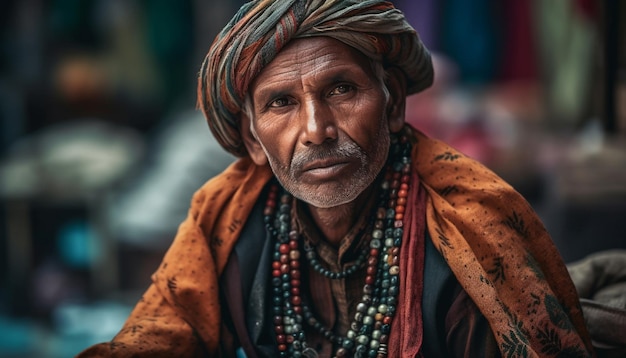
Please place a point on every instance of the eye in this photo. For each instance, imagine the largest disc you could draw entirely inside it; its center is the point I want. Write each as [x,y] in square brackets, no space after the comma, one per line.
[279,102]
[341,89]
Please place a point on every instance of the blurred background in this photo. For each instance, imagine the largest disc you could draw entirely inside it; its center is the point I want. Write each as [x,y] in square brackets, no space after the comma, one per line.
[101,146]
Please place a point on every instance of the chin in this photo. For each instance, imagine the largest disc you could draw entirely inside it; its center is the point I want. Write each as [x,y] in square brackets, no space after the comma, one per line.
[326,204]
[328,201]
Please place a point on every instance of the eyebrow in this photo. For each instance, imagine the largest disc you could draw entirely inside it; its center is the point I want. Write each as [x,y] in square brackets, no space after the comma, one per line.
[277,89]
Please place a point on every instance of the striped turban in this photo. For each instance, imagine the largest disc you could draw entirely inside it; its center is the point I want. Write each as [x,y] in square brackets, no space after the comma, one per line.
[261,28]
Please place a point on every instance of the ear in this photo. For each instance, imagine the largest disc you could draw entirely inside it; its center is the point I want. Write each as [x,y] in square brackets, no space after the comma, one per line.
[256,152]
[396,105]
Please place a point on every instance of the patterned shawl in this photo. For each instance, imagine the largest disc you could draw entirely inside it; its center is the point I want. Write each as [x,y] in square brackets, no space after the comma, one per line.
[490,237]
[501,254]
[262,28]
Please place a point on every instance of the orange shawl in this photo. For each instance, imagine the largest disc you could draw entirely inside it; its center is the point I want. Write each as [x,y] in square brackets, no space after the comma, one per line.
[492,240]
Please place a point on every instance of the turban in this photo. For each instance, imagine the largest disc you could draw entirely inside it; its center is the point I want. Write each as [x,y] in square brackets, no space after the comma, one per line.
[261,28]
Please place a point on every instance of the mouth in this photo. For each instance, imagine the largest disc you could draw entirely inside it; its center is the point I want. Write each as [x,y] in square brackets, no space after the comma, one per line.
[324,169]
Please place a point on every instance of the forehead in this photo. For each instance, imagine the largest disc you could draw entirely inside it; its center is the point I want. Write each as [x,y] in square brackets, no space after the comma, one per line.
[310,56]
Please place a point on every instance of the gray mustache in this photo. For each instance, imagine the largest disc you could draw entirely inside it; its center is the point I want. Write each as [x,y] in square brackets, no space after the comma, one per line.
[346,149]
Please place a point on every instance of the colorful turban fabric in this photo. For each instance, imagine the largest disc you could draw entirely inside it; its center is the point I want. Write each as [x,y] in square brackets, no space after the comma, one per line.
[260,29]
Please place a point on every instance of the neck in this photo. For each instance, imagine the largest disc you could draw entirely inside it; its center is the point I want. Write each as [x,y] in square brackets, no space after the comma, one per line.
[334,223]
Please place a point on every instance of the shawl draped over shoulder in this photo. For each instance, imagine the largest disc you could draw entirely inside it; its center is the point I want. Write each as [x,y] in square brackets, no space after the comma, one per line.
[488,234]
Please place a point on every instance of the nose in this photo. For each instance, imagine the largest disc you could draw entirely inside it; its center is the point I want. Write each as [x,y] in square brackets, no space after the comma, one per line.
[320,125]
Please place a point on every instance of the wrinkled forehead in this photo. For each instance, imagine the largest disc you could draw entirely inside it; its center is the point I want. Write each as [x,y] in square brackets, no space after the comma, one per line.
[312,55]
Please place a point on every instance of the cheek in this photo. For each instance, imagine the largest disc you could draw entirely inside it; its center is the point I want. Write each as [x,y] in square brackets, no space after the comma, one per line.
[277,142]
[368,121]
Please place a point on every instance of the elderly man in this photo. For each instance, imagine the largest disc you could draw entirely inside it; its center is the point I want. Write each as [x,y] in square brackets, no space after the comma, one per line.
[342,231]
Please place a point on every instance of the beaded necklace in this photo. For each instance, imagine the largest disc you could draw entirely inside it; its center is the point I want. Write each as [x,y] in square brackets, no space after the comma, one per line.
[369,331]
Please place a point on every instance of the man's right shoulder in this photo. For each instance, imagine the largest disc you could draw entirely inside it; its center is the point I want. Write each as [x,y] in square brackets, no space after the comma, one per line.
[231,193]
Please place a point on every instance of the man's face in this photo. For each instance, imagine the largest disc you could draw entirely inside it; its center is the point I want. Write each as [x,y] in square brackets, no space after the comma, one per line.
[319,118]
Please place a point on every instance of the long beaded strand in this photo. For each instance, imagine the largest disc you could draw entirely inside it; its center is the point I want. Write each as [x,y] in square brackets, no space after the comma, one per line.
[369,332]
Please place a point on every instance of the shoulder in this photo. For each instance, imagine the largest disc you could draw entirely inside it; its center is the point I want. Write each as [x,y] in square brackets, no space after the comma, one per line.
[218,212]
[219,189]
[443,167]
[467,193]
